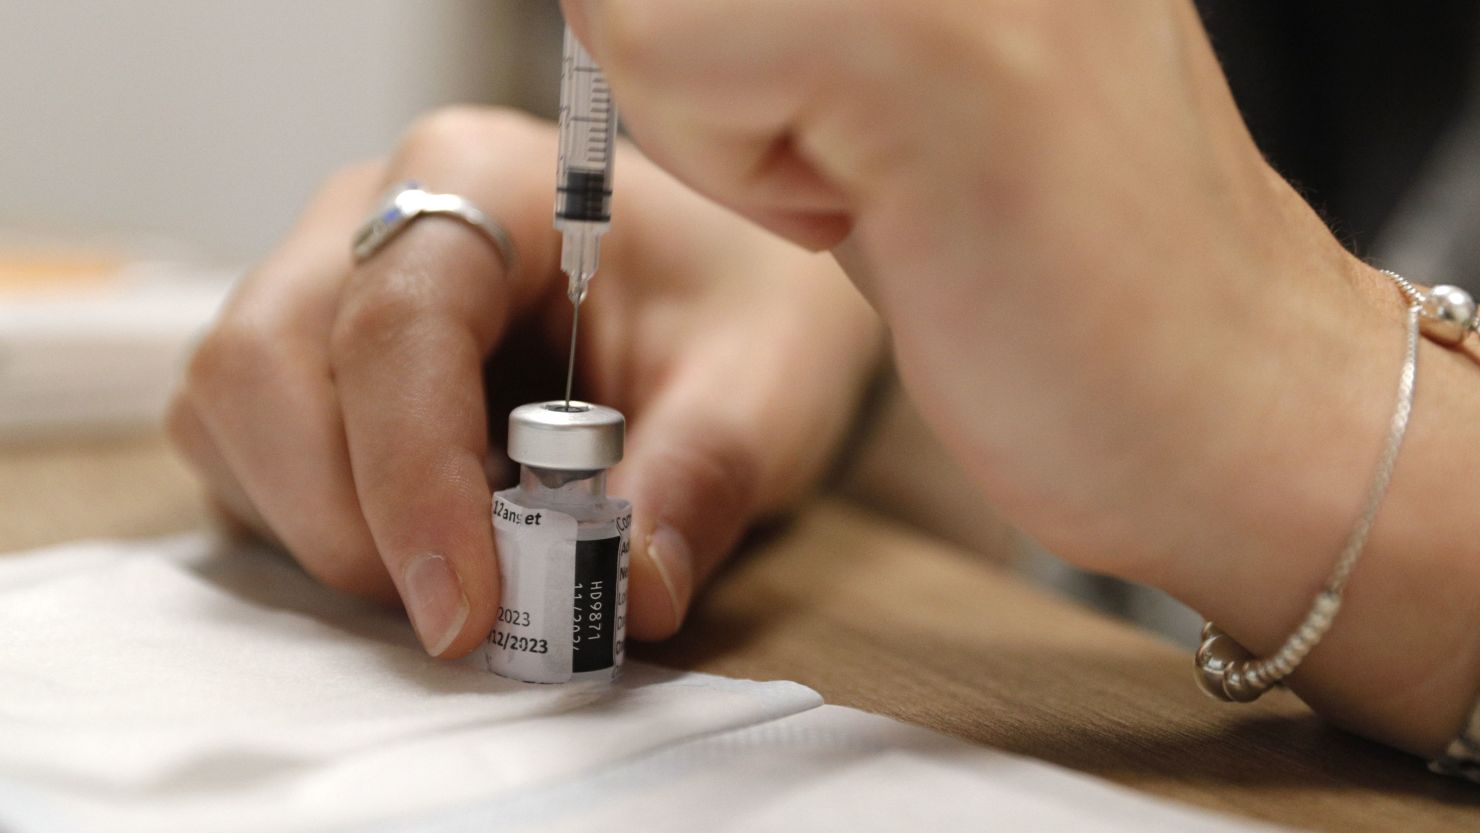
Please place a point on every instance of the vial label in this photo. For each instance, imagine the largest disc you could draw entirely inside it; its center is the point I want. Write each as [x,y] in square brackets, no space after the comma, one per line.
[563,610]
[531,638]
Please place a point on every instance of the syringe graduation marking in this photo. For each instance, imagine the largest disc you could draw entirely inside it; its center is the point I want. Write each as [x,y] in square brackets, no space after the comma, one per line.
[584,197]
[584,192]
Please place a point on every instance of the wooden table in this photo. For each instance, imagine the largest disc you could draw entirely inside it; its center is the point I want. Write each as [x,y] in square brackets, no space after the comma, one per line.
[877,616]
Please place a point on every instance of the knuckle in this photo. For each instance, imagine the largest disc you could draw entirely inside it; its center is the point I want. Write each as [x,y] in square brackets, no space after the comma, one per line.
[718,465]
[1022,39]
[372,319]
[631,31]
[233,354]
[918,31]
[436,129]
[507,124]
[455,129]
[182,426]
[353,178]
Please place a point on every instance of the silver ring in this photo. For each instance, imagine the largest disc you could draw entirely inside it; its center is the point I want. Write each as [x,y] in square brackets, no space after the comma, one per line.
[408,201]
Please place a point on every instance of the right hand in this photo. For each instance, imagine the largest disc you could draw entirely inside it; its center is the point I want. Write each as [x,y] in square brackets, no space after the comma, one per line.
[1141,342]
[1055,207]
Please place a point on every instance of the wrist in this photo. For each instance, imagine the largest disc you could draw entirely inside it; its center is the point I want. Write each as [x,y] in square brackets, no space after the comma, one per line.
[1402,662]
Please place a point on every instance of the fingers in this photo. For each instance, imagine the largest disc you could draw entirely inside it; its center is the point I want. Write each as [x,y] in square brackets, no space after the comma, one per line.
[341,407]
[694,480]
[270,438]
[407,349]
[732,436]
[190,437]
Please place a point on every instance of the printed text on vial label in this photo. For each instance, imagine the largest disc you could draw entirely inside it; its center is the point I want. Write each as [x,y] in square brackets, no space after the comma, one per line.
[505,512]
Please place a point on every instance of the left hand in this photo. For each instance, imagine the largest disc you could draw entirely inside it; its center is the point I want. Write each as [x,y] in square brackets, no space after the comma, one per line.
[339,408]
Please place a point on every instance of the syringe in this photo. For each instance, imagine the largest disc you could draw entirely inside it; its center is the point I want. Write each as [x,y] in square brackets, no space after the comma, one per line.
[583,187]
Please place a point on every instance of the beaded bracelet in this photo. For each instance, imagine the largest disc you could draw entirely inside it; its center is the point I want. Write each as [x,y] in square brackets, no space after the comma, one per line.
[1226,670]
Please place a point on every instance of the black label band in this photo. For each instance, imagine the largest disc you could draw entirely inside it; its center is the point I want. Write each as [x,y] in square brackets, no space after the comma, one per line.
[593,625]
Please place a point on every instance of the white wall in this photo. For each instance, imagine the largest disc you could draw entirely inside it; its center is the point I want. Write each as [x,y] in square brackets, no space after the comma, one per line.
[210,121]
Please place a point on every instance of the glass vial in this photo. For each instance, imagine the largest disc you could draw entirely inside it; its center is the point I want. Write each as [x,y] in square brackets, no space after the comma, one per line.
[563,548]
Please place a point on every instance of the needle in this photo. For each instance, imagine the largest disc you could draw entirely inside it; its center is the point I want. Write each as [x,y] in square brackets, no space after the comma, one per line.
[570,368]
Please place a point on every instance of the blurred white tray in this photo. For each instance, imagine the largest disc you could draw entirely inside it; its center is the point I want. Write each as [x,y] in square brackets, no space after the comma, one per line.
[99,355]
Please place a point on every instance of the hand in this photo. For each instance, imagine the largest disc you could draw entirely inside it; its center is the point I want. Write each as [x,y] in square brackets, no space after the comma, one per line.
[1147,349]
[340,409]
[1057,210]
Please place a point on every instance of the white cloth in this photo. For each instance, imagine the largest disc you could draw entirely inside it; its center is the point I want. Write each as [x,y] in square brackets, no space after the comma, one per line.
[182,685]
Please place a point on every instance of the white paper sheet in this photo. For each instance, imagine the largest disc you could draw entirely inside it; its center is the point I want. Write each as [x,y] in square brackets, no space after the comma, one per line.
[180,685]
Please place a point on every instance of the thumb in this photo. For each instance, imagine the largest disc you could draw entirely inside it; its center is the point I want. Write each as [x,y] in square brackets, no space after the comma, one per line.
[735,427]
[695,485]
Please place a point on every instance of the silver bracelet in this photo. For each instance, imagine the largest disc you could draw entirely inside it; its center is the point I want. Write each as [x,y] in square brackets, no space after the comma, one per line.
[1227,670]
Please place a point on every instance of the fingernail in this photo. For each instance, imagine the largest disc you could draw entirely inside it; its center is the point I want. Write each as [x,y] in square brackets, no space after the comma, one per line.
[674,561]
[435,600]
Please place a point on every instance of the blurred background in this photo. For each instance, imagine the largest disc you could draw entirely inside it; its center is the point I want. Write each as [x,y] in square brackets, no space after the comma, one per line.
[209,123]
[151,149]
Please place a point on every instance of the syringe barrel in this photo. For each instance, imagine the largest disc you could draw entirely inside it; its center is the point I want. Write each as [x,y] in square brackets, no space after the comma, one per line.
[588,127]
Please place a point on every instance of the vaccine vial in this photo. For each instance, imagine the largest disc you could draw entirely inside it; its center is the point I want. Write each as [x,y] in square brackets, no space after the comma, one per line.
[563,548]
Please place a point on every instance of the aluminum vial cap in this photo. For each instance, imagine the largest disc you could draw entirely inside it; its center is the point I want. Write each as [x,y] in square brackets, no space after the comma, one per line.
[581,437]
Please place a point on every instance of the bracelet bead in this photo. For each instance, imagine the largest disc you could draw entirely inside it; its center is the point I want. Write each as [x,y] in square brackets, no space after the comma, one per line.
[1448,314]
[1218,659]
